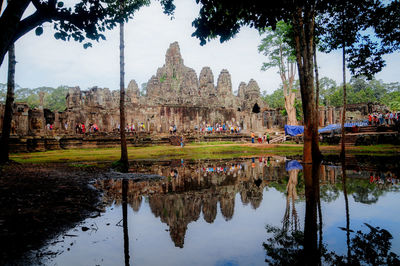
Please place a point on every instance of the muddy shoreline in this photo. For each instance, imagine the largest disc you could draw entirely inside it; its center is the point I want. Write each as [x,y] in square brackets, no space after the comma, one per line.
[40,201]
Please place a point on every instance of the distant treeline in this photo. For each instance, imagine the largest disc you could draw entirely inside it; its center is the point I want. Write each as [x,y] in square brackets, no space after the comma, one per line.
[54,98]
[359,90]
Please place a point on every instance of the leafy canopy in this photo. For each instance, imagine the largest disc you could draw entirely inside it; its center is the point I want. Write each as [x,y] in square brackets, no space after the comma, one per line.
[276,44]
[85,20]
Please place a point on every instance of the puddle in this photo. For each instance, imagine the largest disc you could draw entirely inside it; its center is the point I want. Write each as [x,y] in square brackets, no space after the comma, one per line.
[234,213]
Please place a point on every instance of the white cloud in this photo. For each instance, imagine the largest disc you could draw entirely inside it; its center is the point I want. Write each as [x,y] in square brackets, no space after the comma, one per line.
[44,61]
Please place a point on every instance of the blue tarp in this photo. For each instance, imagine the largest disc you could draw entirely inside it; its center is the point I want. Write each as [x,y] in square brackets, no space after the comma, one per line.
[293,165]
[338,126]
[293,130]
[296,130]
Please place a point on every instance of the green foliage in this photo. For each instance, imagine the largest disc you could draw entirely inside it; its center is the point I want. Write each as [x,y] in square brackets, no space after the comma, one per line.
[78,21]
[54,98]
[365,29]
[163,78]
[360,90]
[275,99]
[277,47]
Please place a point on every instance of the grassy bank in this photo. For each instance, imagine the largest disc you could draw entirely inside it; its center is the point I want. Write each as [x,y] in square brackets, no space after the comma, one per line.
[213,150]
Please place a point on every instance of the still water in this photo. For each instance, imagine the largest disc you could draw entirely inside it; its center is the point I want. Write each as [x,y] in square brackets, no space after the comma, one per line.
[242,212]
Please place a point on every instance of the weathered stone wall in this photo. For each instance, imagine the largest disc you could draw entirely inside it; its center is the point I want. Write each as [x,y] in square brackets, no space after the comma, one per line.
[354,113]
[174,96]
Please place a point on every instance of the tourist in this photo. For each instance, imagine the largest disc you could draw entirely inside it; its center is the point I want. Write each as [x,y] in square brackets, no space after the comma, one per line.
[391,118]
[259,139]
[381,119]
[387,118]
[265,138]
[268,138]
[182,143]
[252,137]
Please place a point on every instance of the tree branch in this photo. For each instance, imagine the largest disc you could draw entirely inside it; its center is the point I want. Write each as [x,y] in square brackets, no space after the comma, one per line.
[9,21]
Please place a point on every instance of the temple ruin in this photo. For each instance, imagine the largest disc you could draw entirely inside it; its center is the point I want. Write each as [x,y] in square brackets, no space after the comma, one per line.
[175,95]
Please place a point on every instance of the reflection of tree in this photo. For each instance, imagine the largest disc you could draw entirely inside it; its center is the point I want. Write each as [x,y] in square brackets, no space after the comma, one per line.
[365,193]
[125,219]
[329,192]
[297,248]
[290,216]
[371,248]
[284,248]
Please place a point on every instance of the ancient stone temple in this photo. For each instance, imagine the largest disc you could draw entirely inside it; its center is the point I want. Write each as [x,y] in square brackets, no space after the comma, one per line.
[175,95]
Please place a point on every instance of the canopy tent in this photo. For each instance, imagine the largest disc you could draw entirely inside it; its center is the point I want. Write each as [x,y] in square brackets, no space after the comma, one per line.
[296,130]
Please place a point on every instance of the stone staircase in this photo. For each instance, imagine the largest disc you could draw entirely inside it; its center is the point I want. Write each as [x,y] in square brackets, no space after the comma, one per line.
[278,139]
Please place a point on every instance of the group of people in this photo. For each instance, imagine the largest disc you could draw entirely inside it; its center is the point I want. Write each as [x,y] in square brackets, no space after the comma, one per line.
[172,129]
[219,128]
[80,128]
[261,139]
[50,126]
[379,119]
[132,128]
[383,178]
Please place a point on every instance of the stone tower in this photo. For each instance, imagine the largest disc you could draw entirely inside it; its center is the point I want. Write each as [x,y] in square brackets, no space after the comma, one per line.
[174,83]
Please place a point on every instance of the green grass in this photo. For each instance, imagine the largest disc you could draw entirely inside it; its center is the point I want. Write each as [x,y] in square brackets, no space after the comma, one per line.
[205,150]
[212,143]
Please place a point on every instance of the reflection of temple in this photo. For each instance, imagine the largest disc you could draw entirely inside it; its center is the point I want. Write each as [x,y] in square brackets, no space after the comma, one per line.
[197,188]
[194,189]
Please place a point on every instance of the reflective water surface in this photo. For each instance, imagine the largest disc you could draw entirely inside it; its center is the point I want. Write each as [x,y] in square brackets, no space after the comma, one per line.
[243,212]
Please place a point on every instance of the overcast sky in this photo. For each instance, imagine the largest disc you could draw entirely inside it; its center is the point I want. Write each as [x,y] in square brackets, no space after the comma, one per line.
[45,61]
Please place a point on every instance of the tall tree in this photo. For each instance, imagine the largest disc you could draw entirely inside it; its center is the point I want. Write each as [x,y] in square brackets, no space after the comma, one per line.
[365,31]
[5,134]
[275,45]
[124,150]
[224,18]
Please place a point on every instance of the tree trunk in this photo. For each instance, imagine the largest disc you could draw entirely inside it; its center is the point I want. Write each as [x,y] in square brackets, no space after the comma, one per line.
[5,135]
[304,34]
[124,151]
[291,109]
[343,149]
[316,81]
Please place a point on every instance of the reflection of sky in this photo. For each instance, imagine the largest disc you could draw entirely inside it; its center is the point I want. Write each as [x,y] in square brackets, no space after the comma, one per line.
[384,214]
[235,242]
